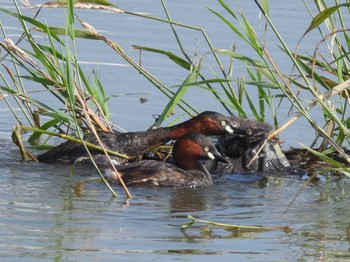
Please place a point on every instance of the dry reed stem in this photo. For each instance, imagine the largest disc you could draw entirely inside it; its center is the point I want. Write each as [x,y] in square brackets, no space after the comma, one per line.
[24,57]
[3,96]
[27,4]
[17,139]
[19,52]
[14,49]
[334,91]
[323,145]
[93,129]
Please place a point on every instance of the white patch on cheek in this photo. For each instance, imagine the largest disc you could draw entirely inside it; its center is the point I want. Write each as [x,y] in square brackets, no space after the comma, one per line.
[210,155]
[229,129]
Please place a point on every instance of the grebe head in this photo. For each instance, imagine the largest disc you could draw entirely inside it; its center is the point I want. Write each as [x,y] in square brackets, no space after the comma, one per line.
[213,123]
[193,147]
[237,144]
[251,127]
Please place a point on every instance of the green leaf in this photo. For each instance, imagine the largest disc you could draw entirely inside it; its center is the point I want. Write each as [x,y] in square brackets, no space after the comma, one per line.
[252,37]
[235,103]
[177,96]
[53,112]
[252,106]
[203,82]
[347,173]
[100,96]
[47,125]
[9,90]
[178,60]
[40,80]
[186,225]
[227,8]
[30,20]
[323,157]
[230,25]
[259,84]
[70,16]
[322,16]
[241,57]
[63,31]
[265,6]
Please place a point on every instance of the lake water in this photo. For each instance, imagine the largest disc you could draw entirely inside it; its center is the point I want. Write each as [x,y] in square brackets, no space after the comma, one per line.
[45,216]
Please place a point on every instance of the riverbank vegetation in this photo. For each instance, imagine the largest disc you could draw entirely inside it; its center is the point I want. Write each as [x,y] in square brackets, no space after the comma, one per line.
[319,80]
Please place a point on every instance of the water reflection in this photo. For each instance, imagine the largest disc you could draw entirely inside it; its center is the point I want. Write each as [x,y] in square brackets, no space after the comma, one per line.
[189,200]
[43,217]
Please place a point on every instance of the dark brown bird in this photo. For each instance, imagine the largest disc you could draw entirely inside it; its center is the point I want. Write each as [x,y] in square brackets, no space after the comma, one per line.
[135,143]
[188,152]
[243,150]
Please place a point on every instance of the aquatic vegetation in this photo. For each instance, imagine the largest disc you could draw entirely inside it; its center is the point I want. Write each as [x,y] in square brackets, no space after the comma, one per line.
[208,230]
[320,80]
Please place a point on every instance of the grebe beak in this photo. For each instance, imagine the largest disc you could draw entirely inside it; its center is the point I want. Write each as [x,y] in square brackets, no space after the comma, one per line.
[216,155]
[235,129]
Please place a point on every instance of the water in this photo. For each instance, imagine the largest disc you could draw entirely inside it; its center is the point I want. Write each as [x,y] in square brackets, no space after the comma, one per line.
[44,215]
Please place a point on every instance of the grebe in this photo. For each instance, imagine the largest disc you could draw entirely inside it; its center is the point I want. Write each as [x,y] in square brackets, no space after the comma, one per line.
[243,150]
[188,152]
[134,144]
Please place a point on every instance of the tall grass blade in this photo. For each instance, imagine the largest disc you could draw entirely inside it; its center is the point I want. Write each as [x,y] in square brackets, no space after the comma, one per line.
[322,16]
[177,96]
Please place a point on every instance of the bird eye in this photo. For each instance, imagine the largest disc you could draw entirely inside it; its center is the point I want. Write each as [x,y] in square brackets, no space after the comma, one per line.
[206,149]
[223,123]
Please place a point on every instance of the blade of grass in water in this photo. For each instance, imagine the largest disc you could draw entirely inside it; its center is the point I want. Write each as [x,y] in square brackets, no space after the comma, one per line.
[177,96]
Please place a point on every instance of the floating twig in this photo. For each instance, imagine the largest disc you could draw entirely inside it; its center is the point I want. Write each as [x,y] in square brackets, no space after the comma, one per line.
[232,227]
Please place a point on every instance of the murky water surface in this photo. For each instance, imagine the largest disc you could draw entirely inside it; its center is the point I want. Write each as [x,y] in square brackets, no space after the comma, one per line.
[45,216]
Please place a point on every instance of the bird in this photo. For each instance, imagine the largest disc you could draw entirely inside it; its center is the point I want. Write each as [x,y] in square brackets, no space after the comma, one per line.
[249,151]
[186,171]
[134,144]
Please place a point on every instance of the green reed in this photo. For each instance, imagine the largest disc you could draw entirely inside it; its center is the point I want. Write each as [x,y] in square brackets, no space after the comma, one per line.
[53,66]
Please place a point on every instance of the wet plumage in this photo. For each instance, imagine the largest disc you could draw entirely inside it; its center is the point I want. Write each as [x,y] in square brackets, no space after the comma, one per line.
[250,151]
[187,171]
[135,143]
